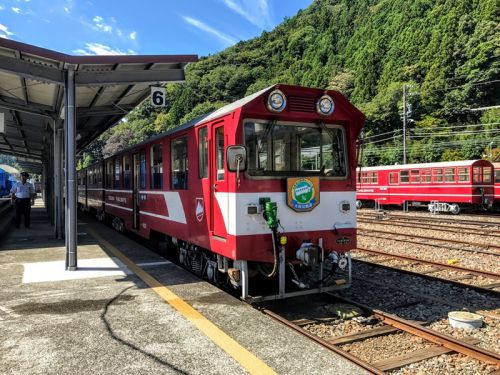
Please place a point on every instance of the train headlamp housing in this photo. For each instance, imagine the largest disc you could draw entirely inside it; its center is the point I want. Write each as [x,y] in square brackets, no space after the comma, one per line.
[325,105]
[276,101]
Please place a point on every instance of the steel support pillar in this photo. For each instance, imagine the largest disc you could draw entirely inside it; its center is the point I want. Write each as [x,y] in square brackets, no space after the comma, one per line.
[70,146]
[58,172]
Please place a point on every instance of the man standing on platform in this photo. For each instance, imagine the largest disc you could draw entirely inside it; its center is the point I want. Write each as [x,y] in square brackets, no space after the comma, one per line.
[22,193]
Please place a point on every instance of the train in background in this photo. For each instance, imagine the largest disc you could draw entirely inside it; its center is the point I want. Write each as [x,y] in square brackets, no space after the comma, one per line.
[443,187]
[261,191]
[8,176]
[496,177]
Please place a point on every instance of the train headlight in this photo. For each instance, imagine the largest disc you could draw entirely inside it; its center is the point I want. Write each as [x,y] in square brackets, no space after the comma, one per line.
[325,105]
[276,101]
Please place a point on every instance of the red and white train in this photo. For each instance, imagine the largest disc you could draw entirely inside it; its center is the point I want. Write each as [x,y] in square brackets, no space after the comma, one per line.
[263,187]
[496,167]
[443,187]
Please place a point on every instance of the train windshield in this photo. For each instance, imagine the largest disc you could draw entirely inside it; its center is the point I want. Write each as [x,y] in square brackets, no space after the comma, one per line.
[293,150]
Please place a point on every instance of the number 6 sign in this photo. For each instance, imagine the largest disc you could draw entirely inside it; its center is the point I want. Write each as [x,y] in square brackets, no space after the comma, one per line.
[158,96]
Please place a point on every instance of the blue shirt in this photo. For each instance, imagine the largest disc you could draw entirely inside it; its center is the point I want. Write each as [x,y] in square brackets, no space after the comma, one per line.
[21,190]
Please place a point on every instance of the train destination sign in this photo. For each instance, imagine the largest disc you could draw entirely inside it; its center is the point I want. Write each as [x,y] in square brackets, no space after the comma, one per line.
[302,193]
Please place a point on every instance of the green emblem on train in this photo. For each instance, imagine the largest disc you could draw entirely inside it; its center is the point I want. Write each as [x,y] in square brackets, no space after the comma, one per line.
[303,194]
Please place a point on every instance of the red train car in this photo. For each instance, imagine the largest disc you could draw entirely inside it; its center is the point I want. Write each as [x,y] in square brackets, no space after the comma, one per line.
[444,187]
[496,167]
[263,187]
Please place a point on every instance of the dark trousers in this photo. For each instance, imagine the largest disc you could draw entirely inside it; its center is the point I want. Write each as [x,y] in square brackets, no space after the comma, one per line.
[23,207]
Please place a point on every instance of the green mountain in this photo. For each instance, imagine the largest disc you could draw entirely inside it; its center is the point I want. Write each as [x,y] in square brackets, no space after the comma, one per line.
[446,52]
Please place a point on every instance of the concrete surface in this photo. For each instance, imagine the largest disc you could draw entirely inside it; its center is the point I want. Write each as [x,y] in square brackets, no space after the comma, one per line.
[115,324]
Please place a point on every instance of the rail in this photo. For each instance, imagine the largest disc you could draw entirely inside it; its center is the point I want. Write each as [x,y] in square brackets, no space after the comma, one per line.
[437,264]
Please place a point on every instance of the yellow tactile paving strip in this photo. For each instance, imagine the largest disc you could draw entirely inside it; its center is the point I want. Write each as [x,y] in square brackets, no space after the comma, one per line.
[245,358]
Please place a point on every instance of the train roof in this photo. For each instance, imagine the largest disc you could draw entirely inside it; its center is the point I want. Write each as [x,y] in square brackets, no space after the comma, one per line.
[9,169]
[444,164]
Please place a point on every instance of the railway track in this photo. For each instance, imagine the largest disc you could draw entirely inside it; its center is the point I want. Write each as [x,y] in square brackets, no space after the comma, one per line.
[487,228]
[437,227]
[370,233]
[391,324]
[438,265]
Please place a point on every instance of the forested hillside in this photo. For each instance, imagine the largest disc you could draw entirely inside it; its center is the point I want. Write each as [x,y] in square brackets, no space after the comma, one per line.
[446,52]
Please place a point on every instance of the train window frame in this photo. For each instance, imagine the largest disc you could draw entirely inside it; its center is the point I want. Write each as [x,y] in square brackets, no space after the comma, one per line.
[406,175]
[414,176]
[143,166]
[203,152]
[497,175]
[220,158]
[109,174]
[270,155]
[127,173]
[179,180]
[156,183]
[374,178]
[117,173]
[463,174]
[487,177]
[396,180]
[425,175]
[446,174]
[437,175]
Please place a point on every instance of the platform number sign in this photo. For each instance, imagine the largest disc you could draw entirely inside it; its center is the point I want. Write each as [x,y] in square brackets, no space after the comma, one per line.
[158,96]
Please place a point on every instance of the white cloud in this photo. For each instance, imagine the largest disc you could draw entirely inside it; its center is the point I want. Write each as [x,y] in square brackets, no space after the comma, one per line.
[119,32]
[16,10]
[101,49]
[226,39]
[133,35]
[4,32]
[66,9]
[99,24]
[1,7]
[255,11]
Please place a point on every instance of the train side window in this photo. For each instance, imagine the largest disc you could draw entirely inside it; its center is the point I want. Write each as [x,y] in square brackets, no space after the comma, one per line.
[374,178]
[118,167]
[393,178]
[203,152]
[437,175]
[449,174]
[219,142]
[497,175]
[404,176]
[425,175]
[364,177]
[486,174]
[415,176]
[142,170]
[109,174]
[156,167]
[179,159]
[463,174]
[127,172]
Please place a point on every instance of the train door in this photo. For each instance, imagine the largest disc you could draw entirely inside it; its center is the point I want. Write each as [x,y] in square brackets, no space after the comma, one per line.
[219,194]
[138,182]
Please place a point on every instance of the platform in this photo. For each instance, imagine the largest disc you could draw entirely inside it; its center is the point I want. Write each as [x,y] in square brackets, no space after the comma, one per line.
[129,311]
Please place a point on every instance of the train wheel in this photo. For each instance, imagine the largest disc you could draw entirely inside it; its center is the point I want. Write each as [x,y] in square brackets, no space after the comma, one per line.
[454,209]
[359,204]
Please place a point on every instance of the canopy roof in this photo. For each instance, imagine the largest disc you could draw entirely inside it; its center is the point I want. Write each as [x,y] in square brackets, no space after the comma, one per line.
[107,88]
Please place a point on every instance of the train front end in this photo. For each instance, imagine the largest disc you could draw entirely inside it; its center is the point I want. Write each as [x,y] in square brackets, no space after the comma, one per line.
[292,199]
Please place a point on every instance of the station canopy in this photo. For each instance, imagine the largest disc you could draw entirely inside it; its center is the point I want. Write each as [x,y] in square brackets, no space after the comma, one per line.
[107,88]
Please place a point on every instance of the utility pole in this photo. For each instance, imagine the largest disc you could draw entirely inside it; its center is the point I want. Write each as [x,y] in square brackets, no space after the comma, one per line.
[404,124]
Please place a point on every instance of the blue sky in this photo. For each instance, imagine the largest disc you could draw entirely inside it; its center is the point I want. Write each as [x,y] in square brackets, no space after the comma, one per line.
[89,27]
